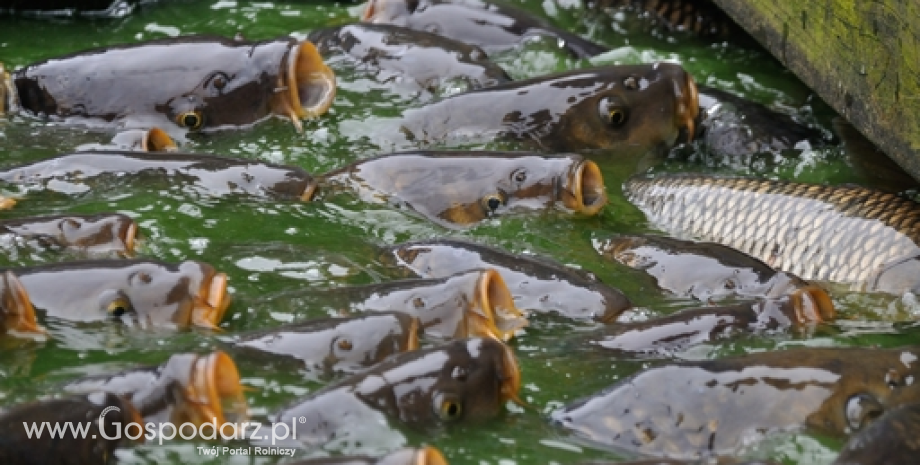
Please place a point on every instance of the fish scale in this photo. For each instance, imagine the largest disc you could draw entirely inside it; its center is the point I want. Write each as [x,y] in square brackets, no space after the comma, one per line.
[845,234]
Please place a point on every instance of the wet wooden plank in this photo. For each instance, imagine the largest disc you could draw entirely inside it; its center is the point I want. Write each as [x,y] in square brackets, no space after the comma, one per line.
[862,57]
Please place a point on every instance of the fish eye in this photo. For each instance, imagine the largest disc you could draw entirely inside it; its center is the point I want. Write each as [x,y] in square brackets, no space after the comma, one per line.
[190,119]
[631,83]
[412,5]
[116,304]
[613,115]
[492,202]
[861,409]
[218,81]
[448,408]
[70,224]
[519,176]
[344,344]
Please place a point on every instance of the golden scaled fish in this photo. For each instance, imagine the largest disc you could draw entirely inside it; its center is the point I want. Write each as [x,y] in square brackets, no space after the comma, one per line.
[865,238]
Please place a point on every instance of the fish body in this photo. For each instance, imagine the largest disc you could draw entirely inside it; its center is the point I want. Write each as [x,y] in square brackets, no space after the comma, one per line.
[106,415]
[628,108]
[847,234]
[213,174]
[193,82]
[537,284]
[683,329]
[459,382]
[336,344]
[144,292]
[93,233]
[493,26]
[700,270]
[715,407]
[188,387]
[460,188]
[418,60]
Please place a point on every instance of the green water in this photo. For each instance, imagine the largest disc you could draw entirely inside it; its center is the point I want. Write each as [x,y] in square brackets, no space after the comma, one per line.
[269,247]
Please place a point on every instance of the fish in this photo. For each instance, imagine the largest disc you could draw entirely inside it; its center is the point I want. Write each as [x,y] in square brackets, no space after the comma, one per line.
[807,306]
[401,57]
[68,9]
[17,315]
[860,237]
[687,410]
[632,109]
[698,270]
[215,175]
[890,439]
[880,171]
[476,303]
[457,189]
[494,27]
[427,455]
[537,283]
[701,18]
[140,291]
[188,83]
[464,381]
[90,233]
[347,344]
[105,416]
[196,388]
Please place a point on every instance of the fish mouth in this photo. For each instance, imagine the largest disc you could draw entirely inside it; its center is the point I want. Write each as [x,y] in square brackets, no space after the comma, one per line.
[212,301]
[7,203]
[18,312]
[129,237]
[812,304]
[687,105]
[510,377]
[156,140]
[309,191]
[585,191]
[307,87]
[412,340]
[429,456]
[499,318]
[7,92]
[214,392]
[373,12]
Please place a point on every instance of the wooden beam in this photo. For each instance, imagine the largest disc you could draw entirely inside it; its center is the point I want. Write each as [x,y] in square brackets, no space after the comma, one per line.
[861,56]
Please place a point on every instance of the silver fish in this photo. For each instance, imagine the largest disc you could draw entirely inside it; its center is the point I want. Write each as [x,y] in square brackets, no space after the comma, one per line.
[848,234]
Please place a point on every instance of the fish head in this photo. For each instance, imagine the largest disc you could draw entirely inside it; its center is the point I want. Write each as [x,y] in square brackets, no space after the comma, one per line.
[898,276]
[17,311]
[208,390]
[891,438]
[583,188]
[110,231]
[366,340]
[629,108]
[306,86]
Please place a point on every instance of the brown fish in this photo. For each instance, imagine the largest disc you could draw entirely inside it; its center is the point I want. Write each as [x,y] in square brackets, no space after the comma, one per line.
[197,83]
[16,312]
[94,233]
[461,188]
[714,407]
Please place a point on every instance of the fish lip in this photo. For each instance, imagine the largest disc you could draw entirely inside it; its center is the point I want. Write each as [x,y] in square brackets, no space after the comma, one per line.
[429,455]
[213,381]
[129,239]
[687,105]
[368,16]
[211,302]
[157,140]
[308,85]
[500,318]
[309,190]
[510,376]
[19,314]
[812,304]
[9,98]
[412,342]
[585,188]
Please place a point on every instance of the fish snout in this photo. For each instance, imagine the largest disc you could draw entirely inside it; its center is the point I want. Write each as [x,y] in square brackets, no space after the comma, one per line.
[214,392]
[129,236]
[812,304]
[308,86]
[584,190]
[500,318]
[686,105]
[157,140]
[7,92]
[429,455]
[211,302]
[384,11]
[18,312]
[510,376]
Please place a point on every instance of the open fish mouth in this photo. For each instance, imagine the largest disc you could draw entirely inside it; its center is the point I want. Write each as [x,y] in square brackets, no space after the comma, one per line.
[18,312]
[812,304]
[584,191]
[510,377]
[382,11]
[212,300]
[308,85]
[309,191]
[129,237]
[687,105]
[156,140]
[499,317]
[428,456]
[214,392]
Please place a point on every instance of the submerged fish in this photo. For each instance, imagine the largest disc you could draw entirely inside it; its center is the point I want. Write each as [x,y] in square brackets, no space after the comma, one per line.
[17,316]
[847,234]
[336,344]
[537,283]
[402,57]
[461,188]
[215,174]
[197,83]
[891,439]
[683,329]
[199,389]
[715,407]
[471,304]
[701,270]
[105,417]
[460,382]
[94,233]
[702,18]
[144,292]
[493,26]
[427,455]
[628,108]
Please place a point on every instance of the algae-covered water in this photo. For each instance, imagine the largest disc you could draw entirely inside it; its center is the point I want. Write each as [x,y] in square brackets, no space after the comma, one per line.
[268,247]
